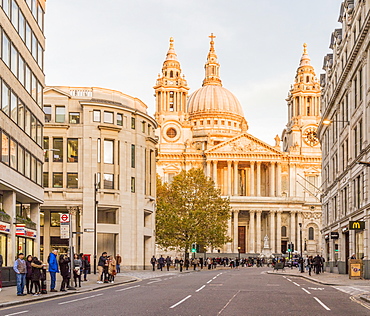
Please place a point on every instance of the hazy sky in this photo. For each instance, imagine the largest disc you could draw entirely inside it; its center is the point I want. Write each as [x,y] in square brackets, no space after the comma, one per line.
[121,45]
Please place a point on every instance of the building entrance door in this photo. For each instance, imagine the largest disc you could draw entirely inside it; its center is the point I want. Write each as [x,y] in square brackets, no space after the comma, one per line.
[284,246]
[241,238]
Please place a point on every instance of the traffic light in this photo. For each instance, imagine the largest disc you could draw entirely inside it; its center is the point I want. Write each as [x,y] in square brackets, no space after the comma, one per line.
[194,247]
[290,247]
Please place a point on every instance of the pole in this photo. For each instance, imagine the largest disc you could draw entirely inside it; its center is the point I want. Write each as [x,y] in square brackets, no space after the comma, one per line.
[300,240]
[95,213]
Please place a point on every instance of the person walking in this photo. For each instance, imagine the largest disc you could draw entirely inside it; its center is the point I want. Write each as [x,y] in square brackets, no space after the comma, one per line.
[101,265]
[153,261]
[161,262]
[29,284]
[317,264]
[53,269]
[36,275]
[64,272]
[181,263]
[112,265]
[77,267]
[85,266]
[20,269]
[118,263]
[168,262]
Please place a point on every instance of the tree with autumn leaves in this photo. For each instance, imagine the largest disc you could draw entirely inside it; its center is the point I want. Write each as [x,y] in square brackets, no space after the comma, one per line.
[190,209]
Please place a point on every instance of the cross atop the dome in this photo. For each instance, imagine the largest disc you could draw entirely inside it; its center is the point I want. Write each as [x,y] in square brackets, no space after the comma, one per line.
[305,48]
[212,42]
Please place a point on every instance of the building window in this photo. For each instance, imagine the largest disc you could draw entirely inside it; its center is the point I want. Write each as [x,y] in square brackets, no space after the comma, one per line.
[5,98]
[4,148]
[6,49]
[108,117]
[107,216]
[13,154]
[119,119]
[27,164]
[311,233]
[96,116]
[72,180]
[171,132]
[55,219]
[133,123]
[99,150]
[143,127]
[133,184]
[46,179]
[108,151]
[72,150]
[46,147]
[74,117]
[21,159]
[60,113]
[20,114]
[57,180]
[283,231]
[108,181]
[132,156]
[58,149]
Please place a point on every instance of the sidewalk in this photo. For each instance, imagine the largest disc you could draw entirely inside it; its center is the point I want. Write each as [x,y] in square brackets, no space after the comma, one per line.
[8,296]
[327,278]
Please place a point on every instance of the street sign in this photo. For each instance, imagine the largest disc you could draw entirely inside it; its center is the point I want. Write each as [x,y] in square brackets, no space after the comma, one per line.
[64,218]
[64,231]
[356,225]
[334,235]
[89,230]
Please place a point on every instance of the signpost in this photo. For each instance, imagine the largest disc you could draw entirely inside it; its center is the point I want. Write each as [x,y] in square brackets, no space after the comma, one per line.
[64,226]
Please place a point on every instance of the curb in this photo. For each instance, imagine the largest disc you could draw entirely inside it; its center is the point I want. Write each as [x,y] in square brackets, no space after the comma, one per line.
[365,298]
[59,294]
[303,276]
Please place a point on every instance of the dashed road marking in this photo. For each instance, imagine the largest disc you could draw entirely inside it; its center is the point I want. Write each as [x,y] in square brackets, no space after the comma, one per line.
[322,304]
[80,299]
[305,290]
[209,281]
[296,284]
[183,300]
[127,288]
[201,288]
[17,313]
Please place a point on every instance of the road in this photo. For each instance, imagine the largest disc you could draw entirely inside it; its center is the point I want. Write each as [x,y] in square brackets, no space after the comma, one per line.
[248,291]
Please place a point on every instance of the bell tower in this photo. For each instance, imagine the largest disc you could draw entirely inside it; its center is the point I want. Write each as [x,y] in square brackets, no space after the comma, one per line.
[171,90]
[303,110]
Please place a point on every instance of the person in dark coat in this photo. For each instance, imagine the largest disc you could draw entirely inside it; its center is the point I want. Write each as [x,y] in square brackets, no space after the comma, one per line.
[153,261]
[29,284]
[64,271]
[317,264]
[85,266]
[36,274]
[161,262]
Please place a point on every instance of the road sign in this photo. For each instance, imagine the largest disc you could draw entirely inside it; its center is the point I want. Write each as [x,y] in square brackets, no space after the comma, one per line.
[356,225]
[64,231]
[64,218]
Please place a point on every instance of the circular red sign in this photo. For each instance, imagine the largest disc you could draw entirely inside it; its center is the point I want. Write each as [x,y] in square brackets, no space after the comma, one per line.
[64,217]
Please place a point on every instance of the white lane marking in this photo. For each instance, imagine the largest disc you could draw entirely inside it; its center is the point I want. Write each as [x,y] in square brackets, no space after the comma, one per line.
[305,290]
[228,303]
[289,280]
[209,281]
[79,299]
[316,288]
[154,281]
[322,304]
[183,300]
[214,277]
[201,288]
[17,313]
[127,288]
[296,284]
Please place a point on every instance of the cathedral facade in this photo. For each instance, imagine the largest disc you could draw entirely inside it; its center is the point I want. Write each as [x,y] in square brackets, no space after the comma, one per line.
[273,189]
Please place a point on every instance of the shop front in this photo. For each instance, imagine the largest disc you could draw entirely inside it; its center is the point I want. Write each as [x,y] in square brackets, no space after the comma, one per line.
[4,235]
[25,239]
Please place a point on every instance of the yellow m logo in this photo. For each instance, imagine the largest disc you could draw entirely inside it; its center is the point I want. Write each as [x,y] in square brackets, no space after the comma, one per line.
[356,225]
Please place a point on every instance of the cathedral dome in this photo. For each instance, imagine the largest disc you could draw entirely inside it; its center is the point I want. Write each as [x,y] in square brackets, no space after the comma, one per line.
[213,99]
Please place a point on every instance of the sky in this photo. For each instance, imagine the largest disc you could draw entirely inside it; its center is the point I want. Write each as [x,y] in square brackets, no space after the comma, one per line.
[122,44]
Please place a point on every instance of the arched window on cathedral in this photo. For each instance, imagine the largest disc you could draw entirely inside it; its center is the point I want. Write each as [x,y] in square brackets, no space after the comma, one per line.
[165,73]
[308,106]
[311,233]
[297,106]
[283,231]
[307,79]
[171,74]
[177,74]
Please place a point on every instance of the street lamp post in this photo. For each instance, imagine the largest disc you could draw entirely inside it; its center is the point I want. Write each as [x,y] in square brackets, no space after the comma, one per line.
[95,218]
[300,240]
[239,254]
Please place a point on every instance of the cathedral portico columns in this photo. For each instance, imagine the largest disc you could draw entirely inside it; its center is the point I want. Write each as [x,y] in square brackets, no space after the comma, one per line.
[229,230]
[258,224]
[278,179]
[258,178]
[251,232]
[236,179]
[252,179]
[229,178]
[208,172]
[272,178]
[215,172]
[236,225]
[293,228]
[278,231]
[272,231]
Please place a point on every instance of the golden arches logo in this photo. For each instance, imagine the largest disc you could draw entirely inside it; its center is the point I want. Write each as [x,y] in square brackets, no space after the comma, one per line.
[356,225]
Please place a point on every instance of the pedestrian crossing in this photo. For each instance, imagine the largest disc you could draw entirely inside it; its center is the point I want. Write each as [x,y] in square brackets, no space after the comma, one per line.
[353,290]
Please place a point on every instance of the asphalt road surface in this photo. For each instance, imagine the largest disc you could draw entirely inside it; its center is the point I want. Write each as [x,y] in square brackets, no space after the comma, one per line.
[248,291]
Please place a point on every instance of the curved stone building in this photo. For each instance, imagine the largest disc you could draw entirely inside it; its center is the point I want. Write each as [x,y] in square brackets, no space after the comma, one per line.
[272,189]
[102,133]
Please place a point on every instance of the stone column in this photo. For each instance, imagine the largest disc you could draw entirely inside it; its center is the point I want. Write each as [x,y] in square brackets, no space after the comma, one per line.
[293,229]
[272,178]
[208,171]
[229,229]
[236,179]
[215,172]
[278,231]
[229,178]
[258,228]
[258,178]
[252,179]
[278,179]
[35,217]
[236,229]
[9,203]
[251,232]
[299,220]
[272,231]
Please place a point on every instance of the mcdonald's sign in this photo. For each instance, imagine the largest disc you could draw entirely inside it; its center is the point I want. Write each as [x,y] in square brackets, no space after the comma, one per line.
[356,225]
